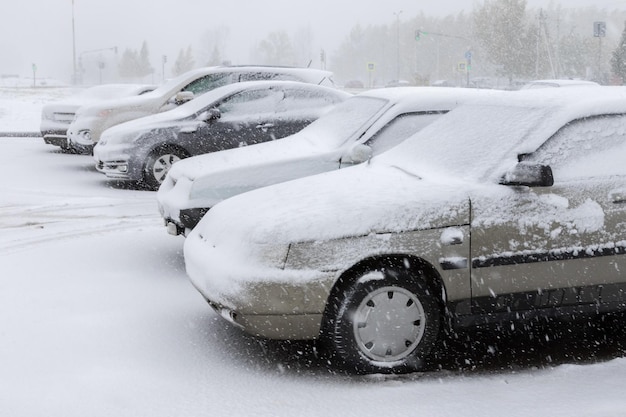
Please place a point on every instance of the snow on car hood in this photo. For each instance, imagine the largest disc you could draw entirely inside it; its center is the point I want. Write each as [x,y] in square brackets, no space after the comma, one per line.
[352,202]
[143,124]
[144,101]
[262,153]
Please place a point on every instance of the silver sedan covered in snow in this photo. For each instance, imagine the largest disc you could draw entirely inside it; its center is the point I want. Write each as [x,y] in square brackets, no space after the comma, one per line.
[508,209]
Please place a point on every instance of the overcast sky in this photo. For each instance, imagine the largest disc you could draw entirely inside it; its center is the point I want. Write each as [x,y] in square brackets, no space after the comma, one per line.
[40,31]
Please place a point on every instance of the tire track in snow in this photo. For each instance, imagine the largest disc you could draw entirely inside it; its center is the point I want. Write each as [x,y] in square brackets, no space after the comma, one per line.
[26,225]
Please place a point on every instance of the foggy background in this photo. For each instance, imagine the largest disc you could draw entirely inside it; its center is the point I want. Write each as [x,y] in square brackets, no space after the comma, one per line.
[37,34]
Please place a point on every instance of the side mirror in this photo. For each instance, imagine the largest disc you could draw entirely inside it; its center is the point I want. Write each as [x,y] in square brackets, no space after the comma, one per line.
[183,97]
[359,153]
[529,175]
[210,115]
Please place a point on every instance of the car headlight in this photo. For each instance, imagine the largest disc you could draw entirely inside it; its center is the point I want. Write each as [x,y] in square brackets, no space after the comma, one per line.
[85,134]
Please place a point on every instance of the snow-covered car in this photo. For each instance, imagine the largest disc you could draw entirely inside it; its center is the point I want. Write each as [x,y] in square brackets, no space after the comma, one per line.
[57,116]
[364,125]
[231,116]
[91,121]
[558,83]
[506,210]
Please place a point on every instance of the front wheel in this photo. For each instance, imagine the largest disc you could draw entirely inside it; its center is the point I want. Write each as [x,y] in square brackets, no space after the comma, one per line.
[387,322]
[158,165]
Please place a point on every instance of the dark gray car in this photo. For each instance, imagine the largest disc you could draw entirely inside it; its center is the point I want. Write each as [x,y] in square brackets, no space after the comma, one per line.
[232,116]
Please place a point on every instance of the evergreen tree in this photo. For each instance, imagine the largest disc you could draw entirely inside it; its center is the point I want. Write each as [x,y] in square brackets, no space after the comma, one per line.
[129,64]
[184,61]
[144,68]
[135,65]
[215,58]
[501,28]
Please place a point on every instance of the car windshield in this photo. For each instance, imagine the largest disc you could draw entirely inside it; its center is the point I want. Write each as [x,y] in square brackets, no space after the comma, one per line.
[200,85]
[344,121]
[468,142]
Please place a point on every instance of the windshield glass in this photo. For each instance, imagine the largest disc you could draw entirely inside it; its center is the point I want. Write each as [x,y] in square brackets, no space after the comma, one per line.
[167,87]
[468,142]
[344,121]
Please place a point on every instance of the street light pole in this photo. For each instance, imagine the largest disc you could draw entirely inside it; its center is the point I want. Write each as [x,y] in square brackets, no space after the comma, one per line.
[397,14]
[74,76]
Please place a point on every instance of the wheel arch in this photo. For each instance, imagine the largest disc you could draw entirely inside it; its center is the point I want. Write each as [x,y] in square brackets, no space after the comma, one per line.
[418,267]
[153,153]
[165,146]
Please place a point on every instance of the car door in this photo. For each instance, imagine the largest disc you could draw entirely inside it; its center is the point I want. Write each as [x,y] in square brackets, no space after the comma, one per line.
[240,122]
[561,246]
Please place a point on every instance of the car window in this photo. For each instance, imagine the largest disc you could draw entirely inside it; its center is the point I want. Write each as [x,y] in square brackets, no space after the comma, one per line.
[591,147]
[401,128]
[260,75]
[208,82]
[251,102]
[345,120]
[302,99]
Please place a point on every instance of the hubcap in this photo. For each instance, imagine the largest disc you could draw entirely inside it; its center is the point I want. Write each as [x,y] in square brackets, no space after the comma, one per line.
[389,324]
[162,166]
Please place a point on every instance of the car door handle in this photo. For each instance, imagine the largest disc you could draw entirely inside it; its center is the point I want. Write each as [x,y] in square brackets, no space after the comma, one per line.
[189,129]
[265,126]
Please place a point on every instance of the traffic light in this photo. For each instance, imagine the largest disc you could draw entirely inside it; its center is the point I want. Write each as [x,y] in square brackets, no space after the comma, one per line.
[418,33]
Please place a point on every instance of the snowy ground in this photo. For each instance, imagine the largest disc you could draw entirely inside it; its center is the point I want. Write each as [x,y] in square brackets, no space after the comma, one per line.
[98,319]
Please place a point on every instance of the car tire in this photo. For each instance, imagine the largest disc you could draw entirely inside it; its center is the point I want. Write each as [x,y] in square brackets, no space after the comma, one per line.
[387,322]
[158,165]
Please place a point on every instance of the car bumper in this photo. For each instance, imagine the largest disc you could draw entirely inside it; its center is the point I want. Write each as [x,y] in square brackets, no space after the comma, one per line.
[79,148]
[189,218]
[119,162]
[180,214]
[265,301]
[55,139]
[114,169]
[283,327]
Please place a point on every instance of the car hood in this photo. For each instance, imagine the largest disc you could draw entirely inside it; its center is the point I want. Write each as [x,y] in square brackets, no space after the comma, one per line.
[62,107]
[205,180]
[231,159]
[357,201]
[170,119]
[145,101]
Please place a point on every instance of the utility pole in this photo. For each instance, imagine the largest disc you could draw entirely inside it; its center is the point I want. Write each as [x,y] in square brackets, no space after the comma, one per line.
[397,14]
[163,61]
[599,31]
[74,76]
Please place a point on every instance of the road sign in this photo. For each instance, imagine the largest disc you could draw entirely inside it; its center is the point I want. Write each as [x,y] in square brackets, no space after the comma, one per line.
[599,29]
[371,66]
